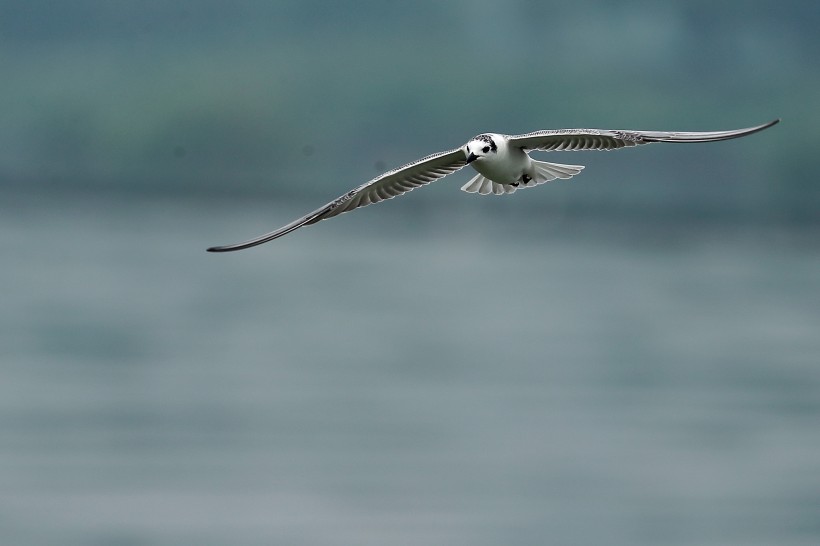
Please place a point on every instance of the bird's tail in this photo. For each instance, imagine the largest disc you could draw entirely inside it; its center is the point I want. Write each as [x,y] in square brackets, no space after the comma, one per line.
[484,186]
[543,171]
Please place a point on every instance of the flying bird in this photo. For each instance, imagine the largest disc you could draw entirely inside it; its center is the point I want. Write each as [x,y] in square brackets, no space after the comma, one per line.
[503,165]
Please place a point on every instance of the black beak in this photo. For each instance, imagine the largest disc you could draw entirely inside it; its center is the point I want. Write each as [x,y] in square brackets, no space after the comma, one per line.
[470,158]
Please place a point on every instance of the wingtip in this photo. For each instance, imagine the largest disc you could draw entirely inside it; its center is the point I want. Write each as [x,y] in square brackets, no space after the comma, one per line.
[229,248]
[764,126]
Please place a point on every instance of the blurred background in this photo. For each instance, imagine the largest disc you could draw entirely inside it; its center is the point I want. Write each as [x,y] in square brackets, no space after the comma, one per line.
[629,357]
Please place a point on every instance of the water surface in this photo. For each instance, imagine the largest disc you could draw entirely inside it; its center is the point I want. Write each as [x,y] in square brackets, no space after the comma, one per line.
[401,379]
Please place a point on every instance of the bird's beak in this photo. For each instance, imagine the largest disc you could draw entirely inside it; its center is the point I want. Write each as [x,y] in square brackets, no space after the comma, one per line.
[472,157]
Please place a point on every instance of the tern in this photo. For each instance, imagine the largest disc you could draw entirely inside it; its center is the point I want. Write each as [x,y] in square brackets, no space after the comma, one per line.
[503,165]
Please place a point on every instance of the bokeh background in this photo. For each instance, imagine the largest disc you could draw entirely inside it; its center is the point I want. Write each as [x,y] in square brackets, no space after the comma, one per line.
[630,357]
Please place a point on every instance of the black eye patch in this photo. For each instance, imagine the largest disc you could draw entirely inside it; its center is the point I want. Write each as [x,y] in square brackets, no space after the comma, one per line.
[485,149]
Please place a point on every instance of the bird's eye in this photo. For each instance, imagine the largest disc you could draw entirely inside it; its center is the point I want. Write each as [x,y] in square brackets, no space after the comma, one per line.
[485,149]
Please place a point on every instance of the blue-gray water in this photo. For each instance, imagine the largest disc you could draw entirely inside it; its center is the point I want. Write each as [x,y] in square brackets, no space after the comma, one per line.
[393,377]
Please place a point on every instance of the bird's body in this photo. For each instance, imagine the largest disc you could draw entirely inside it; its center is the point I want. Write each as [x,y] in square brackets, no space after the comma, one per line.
[502,163]
[505,167]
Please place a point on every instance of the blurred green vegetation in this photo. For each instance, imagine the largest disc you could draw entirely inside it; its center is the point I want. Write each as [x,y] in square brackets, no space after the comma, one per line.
[295,99]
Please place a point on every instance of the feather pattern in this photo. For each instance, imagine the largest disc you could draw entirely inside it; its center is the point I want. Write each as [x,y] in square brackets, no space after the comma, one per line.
[600,139]
[385,186]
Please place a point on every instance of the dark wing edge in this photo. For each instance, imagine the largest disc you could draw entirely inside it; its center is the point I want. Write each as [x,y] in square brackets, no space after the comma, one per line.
[284,230]
[599,139]
[713,136]
[385,186]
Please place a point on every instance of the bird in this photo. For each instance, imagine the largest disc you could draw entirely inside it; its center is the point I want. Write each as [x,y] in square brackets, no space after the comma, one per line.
[503,165]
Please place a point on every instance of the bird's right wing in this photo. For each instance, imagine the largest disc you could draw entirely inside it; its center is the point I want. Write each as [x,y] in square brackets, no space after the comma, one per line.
[385,186]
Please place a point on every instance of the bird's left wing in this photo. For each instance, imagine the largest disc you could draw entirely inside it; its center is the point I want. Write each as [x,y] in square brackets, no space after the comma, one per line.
[385,186]
[606,139]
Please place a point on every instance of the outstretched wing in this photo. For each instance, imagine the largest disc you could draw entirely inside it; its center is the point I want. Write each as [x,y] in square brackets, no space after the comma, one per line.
[386,186]
[601,139]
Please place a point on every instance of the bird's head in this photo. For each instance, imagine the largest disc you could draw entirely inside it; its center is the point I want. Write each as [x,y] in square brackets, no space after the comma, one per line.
[480,147]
